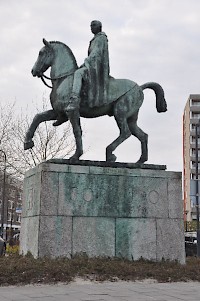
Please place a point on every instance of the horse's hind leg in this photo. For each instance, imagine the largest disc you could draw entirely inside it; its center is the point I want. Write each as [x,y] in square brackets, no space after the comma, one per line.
[143,137]
[44,116]
[124,134]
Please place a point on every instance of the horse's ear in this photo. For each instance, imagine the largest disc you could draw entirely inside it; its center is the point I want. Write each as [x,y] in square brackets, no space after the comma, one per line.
[46,43]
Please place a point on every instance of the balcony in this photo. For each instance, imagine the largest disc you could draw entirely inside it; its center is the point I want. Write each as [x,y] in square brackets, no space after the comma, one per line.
[193,158]
[195,108]
[193,171]
[194,120]
[193,145]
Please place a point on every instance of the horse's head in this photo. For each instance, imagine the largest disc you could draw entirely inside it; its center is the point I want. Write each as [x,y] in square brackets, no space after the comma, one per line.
[56,55]
[44,60]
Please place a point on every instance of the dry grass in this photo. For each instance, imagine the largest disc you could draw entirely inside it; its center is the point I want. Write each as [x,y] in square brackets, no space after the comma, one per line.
[16,269]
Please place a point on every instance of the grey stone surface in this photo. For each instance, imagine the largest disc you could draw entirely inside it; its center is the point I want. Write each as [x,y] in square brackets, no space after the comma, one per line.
[107,291]
[29,235]
[94,236]
[32,192]
[55,237]
[174,191]
[112,195]
[136,238]
[103,211]
[49,193]
[170,239]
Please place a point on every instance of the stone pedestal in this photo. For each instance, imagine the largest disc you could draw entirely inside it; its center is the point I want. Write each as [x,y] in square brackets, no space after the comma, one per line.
[122,211]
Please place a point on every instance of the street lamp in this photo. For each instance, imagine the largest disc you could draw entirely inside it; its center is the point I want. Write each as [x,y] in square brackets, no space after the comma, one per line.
[186,223]
[197,135]
[3,193]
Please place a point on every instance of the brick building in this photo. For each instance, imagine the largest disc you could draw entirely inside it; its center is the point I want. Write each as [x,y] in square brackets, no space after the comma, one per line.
[12,203]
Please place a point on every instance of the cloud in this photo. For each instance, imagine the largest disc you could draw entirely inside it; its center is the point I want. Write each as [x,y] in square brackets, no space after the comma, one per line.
[149,40]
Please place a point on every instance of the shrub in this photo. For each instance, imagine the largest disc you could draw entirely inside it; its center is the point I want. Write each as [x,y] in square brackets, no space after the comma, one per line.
[12,249]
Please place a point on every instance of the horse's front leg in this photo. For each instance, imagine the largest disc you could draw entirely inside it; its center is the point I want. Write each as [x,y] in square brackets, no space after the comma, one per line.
[40,117]
[74,118]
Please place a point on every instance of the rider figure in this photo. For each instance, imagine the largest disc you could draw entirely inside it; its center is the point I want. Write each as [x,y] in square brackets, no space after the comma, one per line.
[95,71]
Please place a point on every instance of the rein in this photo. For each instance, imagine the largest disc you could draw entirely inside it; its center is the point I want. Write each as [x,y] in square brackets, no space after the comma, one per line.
[55,78]
[42,78]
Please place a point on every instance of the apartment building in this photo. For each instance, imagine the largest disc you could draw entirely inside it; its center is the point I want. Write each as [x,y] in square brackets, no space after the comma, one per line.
[191,143]
[12,203]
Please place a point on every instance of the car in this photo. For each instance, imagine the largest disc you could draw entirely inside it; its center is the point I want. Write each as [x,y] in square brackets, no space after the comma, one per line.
[2,247]
[191,243]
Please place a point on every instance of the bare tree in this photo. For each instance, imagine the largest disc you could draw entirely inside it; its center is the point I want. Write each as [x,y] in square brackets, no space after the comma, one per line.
[50,142]
[6,123]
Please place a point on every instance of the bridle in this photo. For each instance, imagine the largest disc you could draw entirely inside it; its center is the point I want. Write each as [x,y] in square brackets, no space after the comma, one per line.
[54,78]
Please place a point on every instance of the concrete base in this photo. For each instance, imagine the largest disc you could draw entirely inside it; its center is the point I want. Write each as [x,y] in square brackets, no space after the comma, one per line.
[102,211]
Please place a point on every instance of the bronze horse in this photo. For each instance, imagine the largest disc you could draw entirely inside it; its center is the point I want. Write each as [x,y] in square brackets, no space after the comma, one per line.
[125,98]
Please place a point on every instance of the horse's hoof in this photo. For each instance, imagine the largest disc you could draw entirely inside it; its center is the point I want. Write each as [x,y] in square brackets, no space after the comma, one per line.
[73,159]
[111,158]
[141,161]
[28,144]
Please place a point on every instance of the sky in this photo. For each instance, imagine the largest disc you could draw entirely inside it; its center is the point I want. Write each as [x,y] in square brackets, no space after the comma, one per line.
[149,40]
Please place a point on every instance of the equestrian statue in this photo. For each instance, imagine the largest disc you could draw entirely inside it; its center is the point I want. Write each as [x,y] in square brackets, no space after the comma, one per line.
[89,91]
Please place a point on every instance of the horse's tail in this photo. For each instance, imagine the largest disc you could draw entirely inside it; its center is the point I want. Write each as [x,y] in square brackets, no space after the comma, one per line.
[161,104]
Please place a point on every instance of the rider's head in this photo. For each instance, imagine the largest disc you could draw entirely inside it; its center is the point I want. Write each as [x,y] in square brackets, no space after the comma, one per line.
[96,26]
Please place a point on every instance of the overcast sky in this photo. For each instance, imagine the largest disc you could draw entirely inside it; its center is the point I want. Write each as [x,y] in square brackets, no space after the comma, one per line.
[149,40]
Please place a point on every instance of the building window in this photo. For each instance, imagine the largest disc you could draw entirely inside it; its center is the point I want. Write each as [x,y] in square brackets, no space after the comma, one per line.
[193,139]
[194,152]
[12,192]
[195,102]
[10,204]
[19,205]
[194,165]
[19,196]
[18,218]
[195,115]
[9,216]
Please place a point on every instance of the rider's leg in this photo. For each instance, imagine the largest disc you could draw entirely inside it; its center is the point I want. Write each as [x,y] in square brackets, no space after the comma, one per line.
[76,89]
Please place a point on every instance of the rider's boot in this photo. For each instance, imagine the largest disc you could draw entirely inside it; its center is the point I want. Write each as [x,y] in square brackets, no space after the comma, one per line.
[74,102]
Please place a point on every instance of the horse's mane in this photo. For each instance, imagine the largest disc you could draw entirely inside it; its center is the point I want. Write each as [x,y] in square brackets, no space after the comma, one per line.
[67,48]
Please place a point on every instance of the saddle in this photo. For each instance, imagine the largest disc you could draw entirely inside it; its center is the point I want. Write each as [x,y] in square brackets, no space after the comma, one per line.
[116,89]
